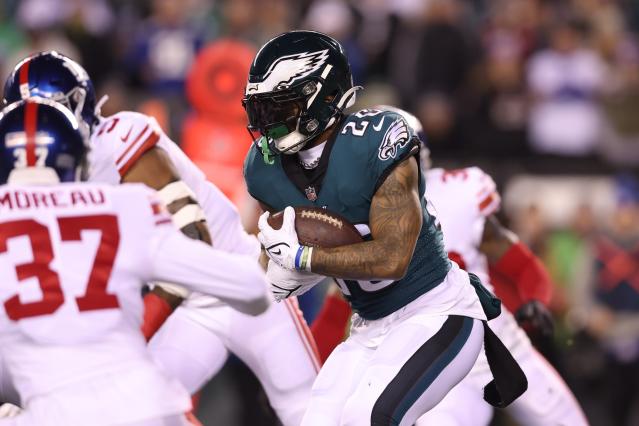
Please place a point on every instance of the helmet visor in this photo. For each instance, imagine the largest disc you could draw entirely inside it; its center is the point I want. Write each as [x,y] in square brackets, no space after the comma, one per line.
[273,115]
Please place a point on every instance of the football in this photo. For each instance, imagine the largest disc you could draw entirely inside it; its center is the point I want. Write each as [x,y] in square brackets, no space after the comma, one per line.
[318,227]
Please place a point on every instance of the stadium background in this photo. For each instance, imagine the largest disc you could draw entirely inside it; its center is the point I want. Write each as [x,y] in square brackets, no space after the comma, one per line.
[542,94]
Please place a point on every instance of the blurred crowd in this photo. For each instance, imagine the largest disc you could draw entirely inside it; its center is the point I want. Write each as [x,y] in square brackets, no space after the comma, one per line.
[543,94]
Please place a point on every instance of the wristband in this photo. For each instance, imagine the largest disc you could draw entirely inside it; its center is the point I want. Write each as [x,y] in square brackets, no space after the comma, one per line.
[303,258]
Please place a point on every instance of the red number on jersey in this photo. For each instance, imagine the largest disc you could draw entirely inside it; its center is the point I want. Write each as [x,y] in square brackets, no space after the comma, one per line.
[455,173]
[52,297]
[95,297]
[108,126]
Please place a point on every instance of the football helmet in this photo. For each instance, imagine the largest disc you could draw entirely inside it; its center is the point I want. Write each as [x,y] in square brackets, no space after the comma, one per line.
[40,142]
[299,84]
[53,76]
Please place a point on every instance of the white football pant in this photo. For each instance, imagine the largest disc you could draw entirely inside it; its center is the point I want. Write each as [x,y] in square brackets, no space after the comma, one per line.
[547,402]
[277,346]
[392,370]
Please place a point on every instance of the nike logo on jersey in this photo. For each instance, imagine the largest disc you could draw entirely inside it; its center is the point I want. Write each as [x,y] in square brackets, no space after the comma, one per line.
[126,138]
[276,253]
[379,125]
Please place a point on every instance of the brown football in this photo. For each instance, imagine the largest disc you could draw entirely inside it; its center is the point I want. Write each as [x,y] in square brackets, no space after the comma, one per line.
[318,227]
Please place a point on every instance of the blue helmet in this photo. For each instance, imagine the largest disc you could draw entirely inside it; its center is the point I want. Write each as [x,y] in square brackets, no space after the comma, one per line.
[53,76]
[40,142]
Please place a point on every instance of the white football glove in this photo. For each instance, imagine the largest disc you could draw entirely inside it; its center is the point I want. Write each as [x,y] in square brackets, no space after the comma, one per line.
[286,283]
[9,410]
[281,245]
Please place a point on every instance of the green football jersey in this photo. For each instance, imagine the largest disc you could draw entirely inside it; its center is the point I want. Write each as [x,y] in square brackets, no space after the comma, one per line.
[355,162]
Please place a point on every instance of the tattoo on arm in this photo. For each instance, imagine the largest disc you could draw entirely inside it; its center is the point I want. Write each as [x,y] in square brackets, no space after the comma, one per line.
[395,220]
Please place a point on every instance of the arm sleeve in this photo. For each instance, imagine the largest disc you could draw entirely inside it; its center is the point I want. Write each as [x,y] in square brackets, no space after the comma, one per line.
[522,268]
[329,327]
[235,279]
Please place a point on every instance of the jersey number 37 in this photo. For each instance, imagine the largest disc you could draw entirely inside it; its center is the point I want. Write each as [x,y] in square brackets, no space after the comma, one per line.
[96,295]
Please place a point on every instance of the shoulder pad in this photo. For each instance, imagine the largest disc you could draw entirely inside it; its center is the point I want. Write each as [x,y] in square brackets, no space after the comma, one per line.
[471,183]
[385,131]
[131,134]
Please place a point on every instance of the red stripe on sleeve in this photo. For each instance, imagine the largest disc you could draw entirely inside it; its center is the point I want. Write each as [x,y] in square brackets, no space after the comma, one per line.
[30,124]
[489,204]
[146,145]
[486,201]
[137,138]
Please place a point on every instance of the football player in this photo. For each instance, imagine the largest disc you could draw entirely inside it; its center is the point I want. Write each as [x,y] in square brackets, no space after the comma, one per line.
[466,201]
[73,257]
[418,326]
[195,342]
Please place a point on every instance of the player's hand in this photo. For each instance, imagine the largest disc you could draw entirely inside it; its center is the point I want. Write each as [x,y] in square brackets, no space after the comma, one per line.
[281,245]
[286,283]
[535,318]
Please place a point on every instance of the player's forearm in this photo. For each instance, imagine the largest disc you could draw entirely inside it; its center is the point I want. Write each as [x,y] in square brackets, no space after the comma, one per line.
[395,222]
[235,279]
[155,169]
[370,260]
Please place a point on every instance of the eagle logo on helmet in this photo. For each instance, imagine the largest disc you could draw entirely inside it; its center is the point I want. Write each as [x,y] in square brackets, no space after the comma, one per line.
[396,136]
[287,69]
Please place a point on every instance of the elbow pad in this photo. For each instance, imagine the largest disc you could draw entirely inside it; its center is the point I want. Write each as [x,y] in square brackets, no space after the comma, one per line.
[186,213]
[174,289]
[189,211]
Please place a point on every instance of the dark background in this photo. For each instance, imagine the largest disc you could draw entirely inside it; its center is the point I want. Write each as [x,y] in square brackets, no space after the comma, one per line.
[542,94]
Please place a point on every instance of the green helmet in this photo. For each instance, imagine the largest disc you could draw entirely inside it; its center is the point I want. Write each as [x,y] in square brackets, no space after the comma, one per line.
[299,84]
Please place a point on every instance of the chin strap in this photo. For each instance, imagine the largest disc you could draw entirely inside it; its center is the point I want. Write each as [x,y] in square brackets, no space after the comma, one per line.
[348,98]
[346,101]
[98,107]
[267,155]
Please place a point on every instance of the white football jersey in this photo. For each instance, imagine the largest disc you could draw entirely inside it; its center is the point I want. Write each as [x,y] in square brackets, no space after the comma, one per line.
[72,261]
[119,140]
[73,258]
[462,199]
[116,144]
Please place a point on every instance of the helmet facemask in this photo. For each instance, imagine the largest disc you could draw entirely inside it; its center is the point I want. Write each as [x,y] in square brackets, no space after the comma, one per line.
[74,101]
[281,117]
[299,84]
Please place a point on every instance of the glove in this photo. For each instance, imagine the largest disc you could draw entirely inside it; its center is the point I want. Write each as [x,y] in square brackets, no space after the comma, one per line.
[9,410]
[286,283]
[535,318]
[281,245]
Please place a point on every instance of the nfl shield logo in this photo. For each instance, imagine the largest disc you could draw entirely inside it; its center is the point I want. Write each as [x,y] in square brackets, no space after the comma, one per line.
[310,193]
